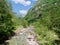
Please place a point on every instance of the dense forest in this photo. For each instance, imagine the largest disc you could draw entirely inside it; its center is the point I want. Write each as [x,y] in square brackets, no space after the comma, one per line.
[6,23]
[9,22]
[44,16]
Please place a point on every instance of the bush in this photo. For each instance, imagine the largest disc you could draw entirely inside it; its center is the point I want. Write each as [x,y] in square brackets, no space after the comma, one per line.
[6,23]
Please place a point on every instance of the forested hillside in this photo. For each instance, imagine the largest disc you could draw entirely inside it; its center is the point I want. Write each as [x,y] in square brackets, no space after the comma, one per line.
[6,20]
[9,21]
[45,17]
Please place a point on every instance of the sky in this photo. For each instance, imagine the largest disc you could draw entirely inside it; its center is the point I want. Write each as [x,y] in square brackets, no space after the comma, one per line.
[21,7]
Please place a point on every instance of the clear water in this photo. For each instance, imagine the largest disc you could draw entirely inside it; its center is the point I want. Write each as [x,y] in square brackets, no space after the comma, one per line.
[20,39]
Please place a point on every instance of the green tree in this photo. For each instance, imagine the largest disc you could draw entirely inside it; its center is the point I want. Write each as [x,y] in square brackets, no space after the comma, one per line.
[6,23]
[48,22]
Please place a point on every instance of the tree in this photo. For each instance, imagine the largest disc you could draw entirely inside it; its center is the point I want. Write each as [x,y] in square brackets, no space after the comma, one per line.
[6,23]
[48,22]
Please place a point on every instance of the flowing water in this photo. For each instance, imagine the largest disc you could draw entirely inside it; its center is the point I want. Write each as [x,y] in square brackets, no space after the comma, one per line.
[22,38]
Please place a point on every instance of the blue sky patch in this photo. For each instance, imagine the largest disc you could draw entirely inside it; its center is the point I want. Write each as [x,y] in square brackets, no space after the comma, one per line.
[22,6]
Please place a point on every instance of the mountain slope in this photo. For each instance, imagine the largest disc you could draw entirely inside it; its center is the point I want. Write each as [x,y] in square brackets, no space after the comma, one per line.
[45,16]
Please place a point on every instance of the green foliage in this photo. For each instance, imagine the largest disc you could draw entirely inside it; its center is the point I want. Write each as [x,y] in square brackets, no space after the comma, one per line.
[45,36]
[24,23]
[6,23]
[48,25]
[19,22]
[16,21]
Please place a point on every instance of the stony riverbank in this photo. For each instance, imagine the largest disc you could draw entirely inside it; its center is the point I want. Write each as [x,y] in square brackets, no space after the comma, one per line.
[24,36]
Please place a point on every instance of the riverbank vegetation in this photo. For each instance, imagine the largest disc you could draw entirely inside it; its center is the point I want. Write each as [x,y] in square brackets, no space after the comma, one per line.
[45,16]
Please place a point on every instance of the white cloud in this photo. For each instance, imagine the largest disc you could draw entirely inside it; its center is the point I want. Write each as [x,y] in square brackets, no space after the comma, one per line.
[35,0]
[23,2]
[23,12]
